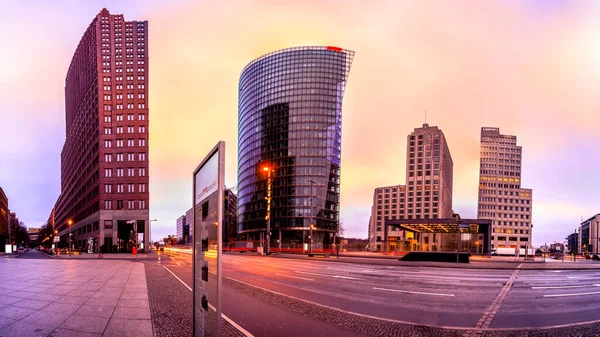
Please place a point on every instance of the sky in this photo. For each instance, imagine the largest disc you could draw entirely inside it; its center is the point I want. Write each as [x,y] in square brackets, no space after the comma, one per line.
[531,68]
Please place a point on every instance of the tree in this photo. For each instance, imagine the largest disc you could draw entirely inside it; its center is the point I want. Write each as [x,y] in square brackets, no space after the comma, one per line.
[21,235]
[341,230]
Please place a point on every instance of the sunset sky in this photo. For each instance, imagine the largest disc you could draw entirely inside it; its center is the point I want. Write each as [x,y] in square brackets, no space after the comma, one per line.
[531,68]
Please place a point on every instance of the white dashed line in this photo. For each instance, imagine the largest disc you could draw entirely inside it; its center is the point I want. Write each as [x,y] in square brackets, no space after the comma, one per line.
[298,277]
[413,292]
[578,294]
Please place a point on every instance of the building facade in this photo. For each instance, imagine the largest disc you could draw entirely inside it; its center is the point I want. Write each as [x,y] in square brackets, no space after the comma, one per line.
[4,213]
[290,123]
[104,161]
[589,240]
[501,197]
[573,243]
[13,223]
[182,229]
[229,217]
[428,190]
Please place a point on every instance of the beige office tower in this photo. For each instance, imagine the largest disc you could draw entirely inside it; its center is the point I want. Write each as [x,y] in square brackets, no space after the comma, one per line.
[427,193]
[501,198]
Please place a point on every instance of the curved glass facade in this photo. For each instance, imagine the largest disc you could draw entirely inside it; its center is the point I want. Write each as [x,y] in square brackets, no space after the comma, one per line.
[290,119]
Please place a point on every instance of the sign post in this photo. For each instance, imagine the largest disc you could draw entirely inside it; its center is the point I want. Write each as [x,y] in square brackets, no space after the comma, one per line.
[208,189]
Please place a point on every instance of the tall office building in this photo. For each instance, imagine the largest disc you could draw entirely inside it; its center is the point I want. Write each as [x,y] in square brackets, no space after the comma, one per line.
[104,161]
[290,123]
[229,217]
[501,198]
[4,234]
[428,190]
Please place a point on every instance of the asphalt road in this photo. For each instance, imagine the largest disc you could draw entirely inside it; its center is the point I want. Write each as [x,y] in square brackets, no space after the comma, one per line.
[423,295]
[33,254]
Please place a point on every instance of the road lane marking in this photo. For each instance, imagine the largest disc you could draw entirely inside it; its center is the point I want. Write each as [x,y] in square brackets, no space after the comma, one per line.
[179,263]
[578,294]
[566,287]
[488,315]
[172,258]
[235,325]
[413,292]
[298,277]
[326,275]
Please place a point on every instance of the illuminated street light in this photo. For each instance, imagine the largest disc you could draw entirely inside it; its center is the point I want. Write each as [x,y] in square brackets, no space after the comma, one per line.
[269,171]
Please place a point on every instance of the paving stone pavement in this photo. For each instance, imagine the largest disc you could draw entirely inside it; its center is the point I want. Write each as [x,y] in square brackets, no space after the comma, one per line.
[55,298]
[171,306]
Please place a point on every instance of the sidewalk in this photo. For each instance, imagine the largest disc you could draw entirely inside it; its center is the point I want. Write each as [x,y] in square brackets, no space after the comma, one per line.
[109,256]
[67,298]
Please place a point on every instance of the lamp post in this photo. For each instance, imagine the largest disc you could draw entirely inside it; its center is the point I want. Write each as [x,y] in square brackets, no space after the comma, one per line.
[269,170]
[312,224]
[69,224]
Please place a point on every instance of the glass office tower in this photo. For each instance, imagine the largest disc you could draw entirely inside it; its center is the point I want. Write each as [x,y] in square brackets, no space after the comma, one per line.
[290,123]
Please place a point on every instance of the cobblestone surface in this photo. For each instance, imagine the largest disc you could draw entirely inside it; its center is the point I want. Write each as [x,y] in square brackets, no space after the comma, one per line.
[171,305]
[377,327]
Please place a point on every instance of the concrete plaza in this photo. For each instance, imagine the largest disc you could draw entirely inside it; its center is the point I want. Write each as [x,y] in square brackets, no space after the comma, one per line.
[56,297]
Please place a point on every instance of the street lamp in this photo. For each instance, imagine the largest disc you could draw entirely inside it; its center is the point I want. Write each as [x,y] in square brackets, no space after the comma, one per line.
[70,223]
[269,171]
[312,225]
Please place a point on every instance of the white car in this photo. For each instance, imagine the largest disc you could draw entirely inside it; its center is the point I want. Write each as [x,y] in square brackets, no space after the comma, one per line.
[21,250]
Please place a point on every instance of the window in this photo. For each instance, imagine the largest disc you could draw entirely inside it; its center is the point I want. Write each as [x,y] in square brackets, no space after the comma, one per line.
[119,118]
[107,143]
[120,188]
[142,129]
[107,204]
[119,157]
[130,204]
[142,157]
[119,204]
[108,173]
[142,117]
[119,129]
[142,172]
[142,204]
[107,188]
[130,188]
[107,119]
[130,172]
[141,142]
[130,129]
[129,117]
[142,188]
[141,106]
[119,172]
[108,158]
[131,156]
[119,142]
[130,142]
[107,131]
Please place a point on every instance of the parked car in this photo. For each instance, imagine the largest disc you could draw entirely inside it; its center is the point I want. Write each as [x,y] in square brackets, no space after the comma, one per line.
[596,258]
[21,250]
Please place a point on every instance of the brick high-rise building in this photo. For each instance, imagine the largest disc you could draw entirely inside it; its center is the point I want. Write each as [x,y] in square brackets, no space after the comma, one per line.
[501,198]
[428,190]
[104,161]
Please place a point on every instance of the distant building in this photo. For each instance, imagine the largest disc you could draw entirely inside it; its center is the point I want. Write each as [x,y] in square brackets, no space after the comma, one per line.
[428,190]
[182,229]
[230,229]
[573,242]
[13,223]
[501,198]
[4,213]
[33,234]
[588,235]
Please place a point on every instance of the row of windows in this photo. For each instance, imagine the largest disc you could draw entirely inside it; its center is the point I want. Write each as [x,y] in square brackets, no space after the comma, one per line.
[120,87]
[108,172]
[120,157]
[130,143]
[512,238]
[119,129]
[120,188]
[119,117]
[124,204]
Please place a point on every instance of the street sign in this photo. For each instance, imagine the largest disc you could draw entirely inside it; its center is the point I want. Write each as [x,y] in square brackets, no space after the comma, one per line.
[463,226]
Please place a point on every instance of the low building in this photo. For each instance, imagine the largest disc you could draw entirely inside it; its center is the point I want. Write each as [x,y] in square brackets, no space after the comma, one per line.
[588,235]
[4,234]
